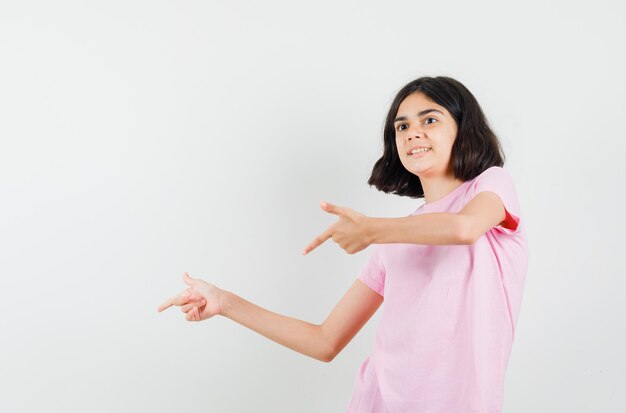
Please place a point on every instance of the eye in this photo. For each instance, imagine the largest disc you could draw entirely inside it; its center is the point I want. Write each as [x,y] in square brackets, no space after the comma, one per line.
[399,127]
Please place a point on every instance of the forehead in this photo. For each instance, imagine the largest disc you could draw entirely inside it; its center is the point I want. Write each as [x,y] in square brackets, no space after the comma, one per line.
[416,102]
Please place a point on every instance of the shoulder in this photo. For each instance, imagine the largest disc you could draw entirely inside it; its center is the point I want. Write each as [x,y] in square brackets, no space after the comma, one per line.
[498,180]
[494,175]
[495,170]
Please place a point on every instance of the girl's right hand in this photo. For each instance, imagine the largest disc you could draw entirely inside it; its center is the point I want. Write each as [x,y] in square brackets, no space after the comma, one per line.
[200,301]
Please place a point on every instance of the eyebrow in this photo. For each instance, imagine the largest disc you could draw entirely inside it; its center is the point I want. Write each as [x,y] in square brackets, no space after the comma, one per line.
[422,113]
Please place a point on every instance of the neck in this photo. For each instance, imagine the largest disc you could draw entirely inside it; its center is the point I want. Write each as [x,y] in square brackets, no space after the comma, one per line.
[438,187]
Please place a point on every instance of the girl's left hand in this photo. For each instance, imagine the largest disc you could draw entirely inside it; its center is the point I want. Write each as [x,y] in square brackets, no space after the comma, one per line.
[350,232]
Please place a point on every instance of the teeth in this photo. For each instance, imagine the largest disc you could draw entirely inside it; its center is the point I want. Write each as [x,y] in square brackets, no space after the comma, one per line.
[419,150]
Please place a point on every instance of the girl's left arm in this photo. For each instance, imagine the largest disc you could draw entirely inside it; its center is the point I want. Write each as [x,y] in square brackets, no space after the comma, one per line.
[437,228]
[355,231]
[482,213]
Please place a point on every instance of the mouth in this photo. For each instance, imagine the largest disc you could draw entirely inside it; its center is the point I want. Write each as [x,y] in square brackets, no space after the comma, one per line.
[419,153]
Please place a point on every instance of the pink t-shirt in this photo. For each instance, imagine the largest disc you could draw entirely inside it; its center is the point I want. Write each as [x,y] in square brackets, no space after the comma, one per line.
[448,321]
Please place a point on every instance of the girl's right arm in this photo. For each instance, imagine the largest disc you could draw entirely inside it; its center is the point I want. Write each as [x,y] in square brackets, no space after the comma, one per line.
[322,342]
[203,300]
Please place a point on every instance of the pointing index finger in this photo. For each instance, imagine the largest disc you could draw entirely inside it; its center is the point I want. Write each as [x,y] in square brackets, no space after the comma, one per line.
[167,304]
[179,299]
[319,240]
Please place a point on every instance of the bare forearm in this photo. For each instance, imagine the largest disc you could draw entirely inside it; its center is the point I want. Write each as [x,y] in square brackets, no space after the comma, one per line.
[298,335]
[437,228]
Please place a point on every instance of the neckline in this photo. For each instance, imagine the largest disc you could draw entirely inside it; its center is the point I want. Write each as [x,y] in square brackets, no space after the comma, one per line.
[448,195]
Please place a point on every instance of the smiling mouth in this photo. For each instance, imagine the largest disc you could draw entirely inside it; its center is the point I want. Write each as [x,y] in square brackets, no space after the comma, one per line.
[419,154]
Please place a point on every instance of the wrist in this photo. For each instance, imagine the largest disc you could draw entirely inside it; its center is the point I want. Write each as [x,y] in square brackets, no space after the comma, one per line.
[371,230]
[225,300]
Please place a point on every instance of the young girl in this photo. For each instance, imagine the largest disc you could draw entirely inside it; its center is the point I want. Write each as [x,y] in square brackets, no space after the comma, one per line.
[451,274]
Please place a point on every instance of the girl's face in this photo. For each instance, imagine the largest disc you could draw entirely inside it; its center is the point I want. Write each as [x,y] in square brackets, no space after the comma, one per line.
[421,123]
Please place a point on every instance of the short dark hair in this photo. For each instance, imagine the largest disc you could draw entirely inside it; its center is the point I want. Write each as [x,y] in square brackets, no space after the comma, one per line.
[475,149]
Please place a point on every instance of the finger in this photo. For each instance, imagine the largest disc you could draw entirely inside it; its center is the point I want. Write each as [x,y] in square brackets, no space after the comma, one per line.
[179,299]
[191,315]
[319,240]
[165,305]
[331,208]
[200,302]
[188,280]
[187,307]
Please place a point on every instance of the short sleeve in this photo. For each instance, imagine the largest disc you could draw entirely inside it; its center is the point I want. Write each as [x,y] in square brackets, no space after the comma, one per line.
[373,273]
[498,180]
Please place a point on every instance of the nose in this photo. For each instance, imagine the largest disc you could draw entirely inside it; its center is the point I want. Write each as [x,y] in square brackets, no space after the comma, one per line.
[414,132]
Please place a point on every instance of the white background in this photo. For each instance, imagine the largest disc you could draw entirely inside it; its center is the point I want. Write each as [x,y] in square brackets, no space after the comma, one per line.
[140,140]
